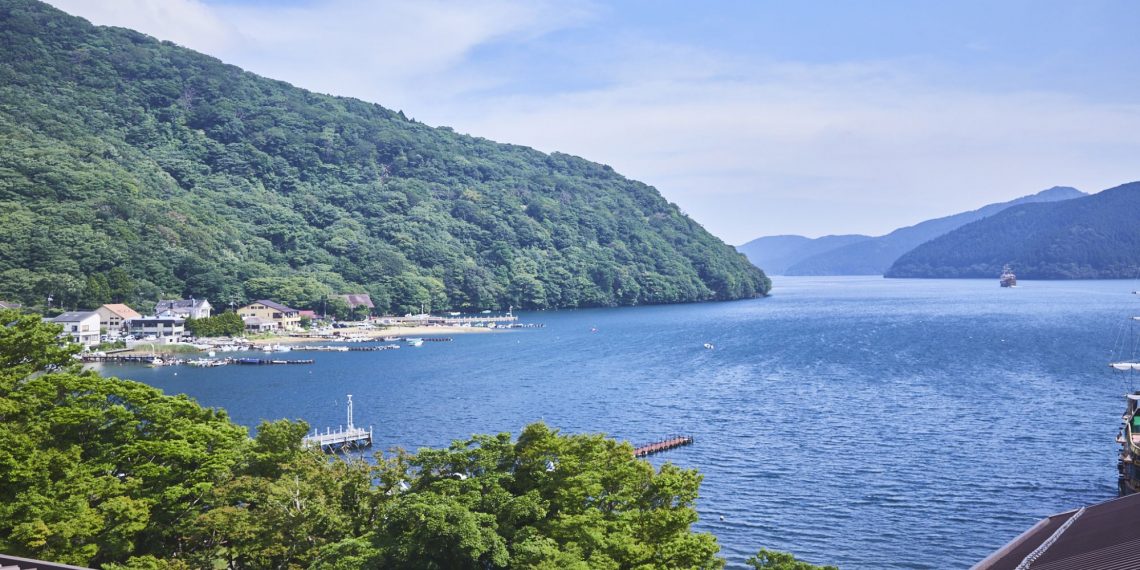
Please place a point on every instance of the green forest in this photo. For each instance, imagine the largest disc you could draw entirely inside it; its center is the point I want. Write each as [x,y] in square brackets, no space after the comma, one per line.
[1094,237]
[114,474]
[133,169]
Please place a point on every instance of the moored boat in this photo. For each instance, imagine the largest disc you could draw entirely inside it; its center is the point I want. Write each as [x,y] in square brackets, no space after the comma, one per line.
[1129,440]
[1007,279]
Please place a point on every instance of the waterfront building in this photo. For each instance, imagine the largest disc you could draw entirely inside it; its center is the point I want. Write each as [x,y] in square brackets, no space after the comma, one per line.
[286,318]
[167,329]
[81,326]
[183,308]
[113,317]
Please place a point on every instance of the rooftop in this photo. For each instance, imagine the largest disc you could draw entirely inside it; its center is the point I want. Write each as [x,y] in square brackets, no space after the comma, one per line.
[1103,536]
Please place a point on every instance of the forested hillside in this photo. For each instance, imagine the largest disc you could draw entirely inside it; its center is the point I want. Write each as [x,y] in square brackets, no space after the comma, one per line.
[1095,237]
[874,256]
[132,169]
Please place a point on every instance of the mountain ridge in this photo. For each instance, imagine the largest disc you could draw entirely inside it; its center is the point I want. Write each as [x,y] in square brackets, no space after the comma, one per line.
[1093,237]
[193,176]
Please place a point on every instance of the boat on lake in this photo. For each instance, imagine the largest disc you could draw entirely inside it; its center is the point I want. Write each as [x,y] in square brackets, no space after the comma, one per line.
[414,341]
[1128,437]
[1008,279]
[1128,481]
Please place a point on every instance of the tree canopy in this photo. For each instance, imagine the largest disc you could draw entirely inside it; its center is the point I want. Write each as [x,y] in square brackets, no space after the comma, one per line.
[109,472]
[132,169]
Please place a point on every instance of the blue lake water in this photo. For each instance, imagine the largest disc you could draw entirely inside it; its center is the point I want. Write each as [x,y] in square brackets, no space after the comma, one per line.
[864,422]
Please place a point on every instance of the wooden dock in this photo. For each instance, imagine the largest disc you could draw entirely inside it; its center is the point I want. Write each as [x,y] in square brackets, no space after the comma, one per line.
[351,437]
[340,439]
[663,445]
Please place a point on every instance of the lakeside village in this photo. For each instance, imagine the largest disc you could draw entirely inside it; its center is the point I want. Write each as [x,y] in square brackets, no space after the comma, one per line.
[115,332]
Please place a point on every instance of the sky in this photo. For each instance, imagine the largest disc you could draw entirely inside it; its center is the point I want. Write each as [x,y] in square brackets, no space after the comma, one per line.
[756,118]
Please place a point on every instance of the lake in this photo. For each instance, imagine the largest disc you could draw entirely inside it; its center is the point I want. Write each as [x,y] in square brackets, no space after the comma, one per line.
[858,421]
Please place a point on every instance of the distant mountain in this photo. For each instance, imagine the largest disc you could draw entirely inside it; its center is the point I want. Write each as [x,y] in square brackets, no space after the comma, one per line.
[1095,237]
[776,253]
[873,256]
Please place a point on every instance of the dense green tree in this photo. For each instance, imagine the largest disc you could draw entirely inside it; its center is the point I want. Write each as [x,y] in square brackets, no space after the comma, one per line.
[773,560]
[222,324]
[112,473]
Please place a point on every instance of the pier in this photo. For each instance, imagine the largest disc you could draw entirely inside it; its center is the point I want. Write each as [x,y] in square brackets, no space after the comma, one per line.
[347,438]
[663,445]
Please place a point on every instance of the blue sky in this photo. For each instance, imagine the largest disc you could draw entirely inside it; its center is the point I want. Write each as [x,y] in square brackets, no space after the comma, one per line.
[756,118]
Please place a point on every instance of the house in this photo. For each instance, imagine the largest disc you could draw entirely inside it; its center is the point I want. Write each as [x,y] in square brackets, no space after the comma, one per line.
[113,317]
[184,308]
[9,305]
[259,325]
[286,318]
[81,326]
[168,329]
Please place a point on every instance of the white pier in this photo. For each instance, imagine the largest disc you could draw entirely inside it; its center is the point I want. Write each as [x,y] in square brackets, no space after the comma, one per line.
[351,436]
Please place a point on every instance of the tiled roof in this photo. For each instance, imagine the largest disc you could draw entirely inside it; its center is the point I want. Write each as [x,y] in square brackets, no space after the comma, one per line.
[72,316]
[276,306]
[122,310]
[179,304]
[1103,536]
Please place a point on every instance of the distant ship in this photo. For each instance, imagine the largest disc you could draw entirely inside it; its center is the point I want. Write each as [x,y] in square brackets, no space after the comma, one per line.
[1008,279]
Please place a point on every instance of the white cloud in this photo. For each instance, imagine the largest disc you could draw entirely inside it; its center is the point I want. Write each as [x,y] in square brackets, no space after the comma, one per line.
[820,149]
[184,22]
[747,146]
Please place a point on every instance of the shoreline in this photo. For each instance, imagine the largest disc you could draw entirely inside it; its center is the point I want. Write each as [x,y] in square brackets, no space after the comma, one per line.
[400,331]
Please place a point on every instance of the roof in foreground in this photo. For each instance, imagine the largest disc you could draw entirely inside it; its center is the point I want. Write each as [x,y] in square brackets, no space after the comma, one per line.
[1103,536]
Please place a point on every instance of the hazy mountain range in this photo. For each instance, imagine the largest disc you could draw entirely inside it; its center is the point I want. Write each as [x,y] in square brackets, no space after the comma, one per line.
[866,255]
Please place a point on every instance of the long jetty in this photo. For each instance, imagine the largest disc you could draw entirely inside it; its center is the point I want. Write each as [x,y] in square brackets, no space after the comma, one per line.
[342,438]
[663,445]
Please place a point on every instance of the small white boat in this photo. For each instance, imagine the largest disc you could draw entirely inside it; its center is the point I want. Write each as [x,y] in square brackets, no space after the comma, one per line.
[709,345]
[415,341]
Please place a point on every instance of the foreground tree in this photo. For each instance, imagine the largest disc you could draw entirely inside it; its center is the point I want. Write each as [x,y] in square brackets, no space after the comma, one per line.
[109,472]
[773,560]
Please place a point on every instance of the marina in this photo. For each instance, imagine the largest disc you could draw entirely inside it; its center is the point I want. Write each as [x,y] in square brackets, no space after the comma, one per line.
[201,362]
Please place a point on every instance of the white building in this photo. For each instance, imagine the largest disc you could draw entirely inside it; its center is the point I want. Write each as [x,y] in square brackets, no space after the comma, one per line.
[81,326]
[183,308]
[165,328]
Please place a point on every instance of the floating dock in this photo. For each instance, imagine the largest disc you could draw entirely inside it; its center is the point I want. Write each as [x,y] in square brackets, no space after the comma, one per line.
[350,437]
[663,445]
